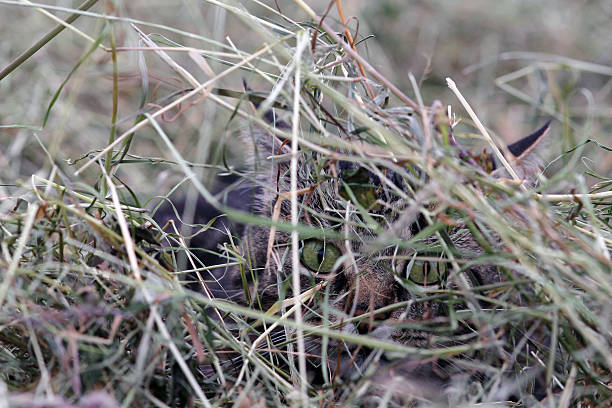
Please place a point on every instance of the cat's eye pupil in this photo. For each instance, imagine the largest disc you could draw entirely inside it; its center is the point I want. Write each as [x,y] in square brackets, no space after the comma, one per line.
[319,256]
[425,272]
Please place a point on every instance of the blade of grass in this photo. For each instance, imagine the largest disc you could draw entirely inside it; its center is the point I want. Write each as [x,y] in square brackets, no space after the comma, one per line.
[73,70]
[45,39]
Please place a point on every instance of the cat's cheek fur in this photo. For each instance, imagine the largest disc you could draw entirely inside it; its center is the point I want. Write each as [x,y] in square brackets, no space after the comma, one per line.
[272,271]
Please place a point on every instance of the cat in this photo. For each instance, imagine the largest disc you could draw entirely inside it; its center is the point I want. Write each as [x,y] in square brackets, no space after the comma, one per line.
[365,259]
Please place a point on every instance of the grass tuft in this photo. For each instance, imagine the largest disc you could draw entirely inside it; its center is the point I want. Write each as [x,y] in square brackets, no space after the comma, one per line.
[102,306]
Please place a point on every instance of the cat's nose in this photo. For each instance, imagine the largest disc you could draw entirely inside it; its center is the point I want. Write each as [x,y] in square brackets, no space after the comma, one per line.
[369,321]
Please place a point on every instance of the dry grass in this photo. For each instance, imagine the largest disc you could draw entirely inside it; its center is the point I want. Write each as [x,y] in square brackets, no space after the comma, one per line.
[92,310]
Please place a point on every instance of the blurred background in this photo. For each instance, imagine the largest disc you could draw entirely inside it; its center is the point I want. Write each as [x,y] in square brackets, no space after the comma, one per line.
[518,62]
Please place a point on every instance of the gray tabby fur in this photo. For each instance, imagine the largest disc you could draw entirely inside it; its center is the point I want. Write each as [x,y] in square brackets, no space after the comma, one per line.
[364,281]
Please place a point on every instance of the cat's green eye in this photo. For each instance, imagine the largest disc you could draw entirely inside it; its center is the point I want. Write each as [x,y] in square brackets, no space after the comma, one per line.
[319,256]
[358,181]
[425,273]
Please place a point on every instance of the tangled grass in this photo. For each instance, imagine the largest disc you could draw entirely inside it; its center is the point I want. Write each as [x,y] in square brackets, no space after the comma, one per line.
[94,310]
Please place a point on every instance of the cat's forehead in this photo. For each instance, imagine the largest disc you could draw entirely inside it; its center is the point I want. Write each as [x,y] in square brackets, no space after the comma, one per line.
[361,193]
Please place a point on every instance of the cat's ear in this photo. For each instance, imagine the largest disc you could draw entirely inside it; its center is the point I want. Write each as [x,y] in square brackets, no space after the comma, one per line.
[268,161]
[260,143]
[521,148]
[265,146]
[527,155]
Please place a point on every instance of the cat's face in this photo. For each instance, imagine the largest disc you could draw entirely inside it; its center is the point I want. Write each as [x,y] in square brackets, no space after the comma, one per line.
[382,272]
